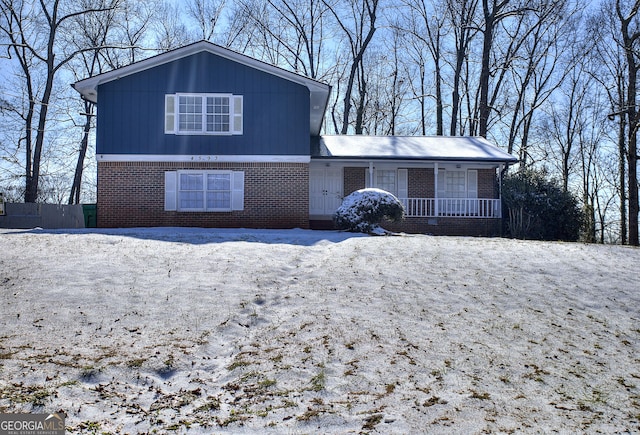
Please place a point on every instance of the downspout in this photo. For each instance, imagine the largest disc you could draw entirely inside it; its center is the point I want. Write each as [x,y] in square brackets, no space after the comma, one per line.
[370,174]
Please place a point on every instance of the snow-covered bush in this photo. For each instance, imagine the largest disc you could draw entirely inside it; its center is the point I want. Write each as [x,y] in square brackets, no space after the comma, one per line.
[365,209]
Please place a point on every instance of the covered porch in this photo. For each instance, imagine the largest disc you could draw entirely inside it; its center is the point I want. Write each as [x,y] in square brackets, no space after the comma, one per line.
[447,185]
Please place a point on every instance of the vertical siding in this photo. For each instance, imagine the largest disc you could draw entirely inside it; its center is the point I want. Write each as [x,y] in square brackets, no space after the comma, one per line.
[131,110]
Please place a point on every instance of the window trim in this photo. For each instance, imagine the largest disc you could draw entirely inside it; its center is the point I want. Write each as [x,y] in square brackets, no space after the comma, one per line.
[469,176]
[381,173]
[204,190]
[173,190]
[172,114]
[401,180]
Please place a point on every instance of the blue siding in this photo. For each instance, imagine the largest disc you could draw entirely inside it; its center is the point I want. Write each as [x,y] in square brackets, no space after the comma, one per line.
[131,110]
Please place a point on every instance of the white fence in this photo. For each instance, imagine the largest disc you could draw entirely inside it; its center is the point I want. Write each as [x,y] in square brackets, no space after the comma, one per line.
[455,207]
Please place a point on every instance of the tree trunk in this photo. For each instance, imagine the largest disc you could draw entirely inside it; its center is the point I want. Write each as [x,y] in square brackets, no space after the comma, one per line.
[362,95]
[633,190]
[358,52]
[31,194]
[74,196]
[483,112]
[632,113]
[439,105]
[622,174]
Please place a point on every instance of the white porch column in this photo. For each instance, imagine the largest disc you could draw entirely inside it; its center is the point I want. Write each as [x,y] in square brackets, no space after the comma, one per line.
[500,169]
[435,186]
[370,174]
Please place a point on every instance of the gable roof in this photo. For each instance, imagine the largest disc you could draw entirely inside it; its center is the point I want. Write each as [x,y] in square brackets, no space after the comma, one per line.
[433,148]
[319,92]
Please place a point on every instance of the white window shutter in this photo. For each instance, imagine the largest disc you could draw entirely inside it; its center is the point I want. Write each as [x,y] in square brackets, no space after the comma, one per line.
[169,114]
[170,191]
[403,183]
[237,190]
[237,114]
[472,183]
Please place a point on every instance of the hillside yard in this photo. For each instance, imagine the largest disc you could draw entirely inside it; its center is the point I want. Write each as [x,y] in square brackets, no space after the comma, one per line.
[295,331]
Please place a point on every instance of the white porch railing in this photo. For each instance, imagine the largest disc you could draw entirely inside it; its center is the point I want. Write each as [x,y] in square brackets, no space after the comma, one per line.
[458,207]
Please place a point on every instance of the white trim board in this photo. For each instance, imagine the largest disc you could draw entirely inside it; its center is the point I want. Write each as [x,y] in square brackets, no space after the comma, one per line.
[202,158]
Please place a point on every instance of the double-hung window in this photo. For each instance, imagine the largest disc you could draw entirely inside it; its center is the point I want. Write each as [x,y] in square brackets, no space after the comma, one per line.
[455,184]
[211,191]
[204,191]
[458,191]
[386,180]
[202,114]
[394,181]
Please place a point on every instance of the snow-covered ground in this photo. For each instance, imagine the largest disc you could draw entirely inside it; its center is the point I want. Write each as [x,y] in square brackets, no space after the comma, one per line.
[295,331]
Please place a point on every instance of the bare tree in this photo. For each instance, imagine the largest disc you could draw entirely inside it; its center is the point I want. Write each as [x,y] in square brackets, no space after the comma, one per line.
[493,12]
[383,111]
[91,30]
[608,54]
[550,47]
[358,33]
[169,29]
[630,35]
[425,23]
[462,14]
[32,29]
[207,15]
[291,32]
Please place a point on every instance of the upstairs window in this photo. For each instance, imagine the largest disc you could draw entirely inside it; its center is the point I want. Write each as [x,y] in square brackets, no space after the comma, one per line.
[202,114]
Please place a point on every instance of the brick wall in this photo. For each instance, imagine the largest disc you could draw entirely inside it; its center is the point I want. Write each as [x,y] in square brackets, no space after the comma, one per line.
[354,179]
[131,194]
[487,184]
[421,183]
[448,226]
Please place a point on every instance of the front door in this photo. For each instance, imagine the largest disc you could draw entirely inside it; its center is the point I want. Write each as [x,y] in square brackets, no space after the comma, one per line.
[325,190]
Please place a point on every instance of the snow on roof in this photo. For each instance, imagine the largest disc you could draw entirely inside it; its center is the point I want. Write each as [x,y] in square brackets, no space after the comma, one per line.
[443,148]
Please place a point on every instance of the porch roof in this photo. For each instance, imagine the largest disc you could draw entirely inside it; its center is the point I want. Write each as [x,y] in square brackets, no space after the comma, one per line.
[431,148]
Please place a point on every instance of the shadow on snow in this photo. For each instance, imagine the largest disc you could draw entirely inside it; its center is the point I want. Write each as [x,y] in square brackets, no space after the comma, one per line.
[199,236]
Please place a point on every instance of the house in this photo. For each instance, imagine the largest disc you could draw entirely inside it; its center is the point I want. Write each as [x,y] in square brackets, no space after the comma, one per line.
[205,136]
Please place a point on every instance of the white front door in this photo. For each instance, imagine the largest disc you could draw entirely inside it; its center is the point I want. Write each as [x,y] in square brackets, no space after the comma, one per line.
[325,190]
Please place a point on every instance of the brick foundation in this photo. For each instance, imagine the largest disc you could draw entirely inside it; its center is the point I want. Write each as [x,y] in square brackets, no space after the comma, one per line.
[442,226]
[131,194]
[447,226]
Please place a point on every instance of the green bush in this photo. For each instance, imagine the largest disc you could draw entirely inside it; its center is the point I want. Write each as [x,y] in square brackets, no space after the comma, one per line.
[536,207]
[365,209]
